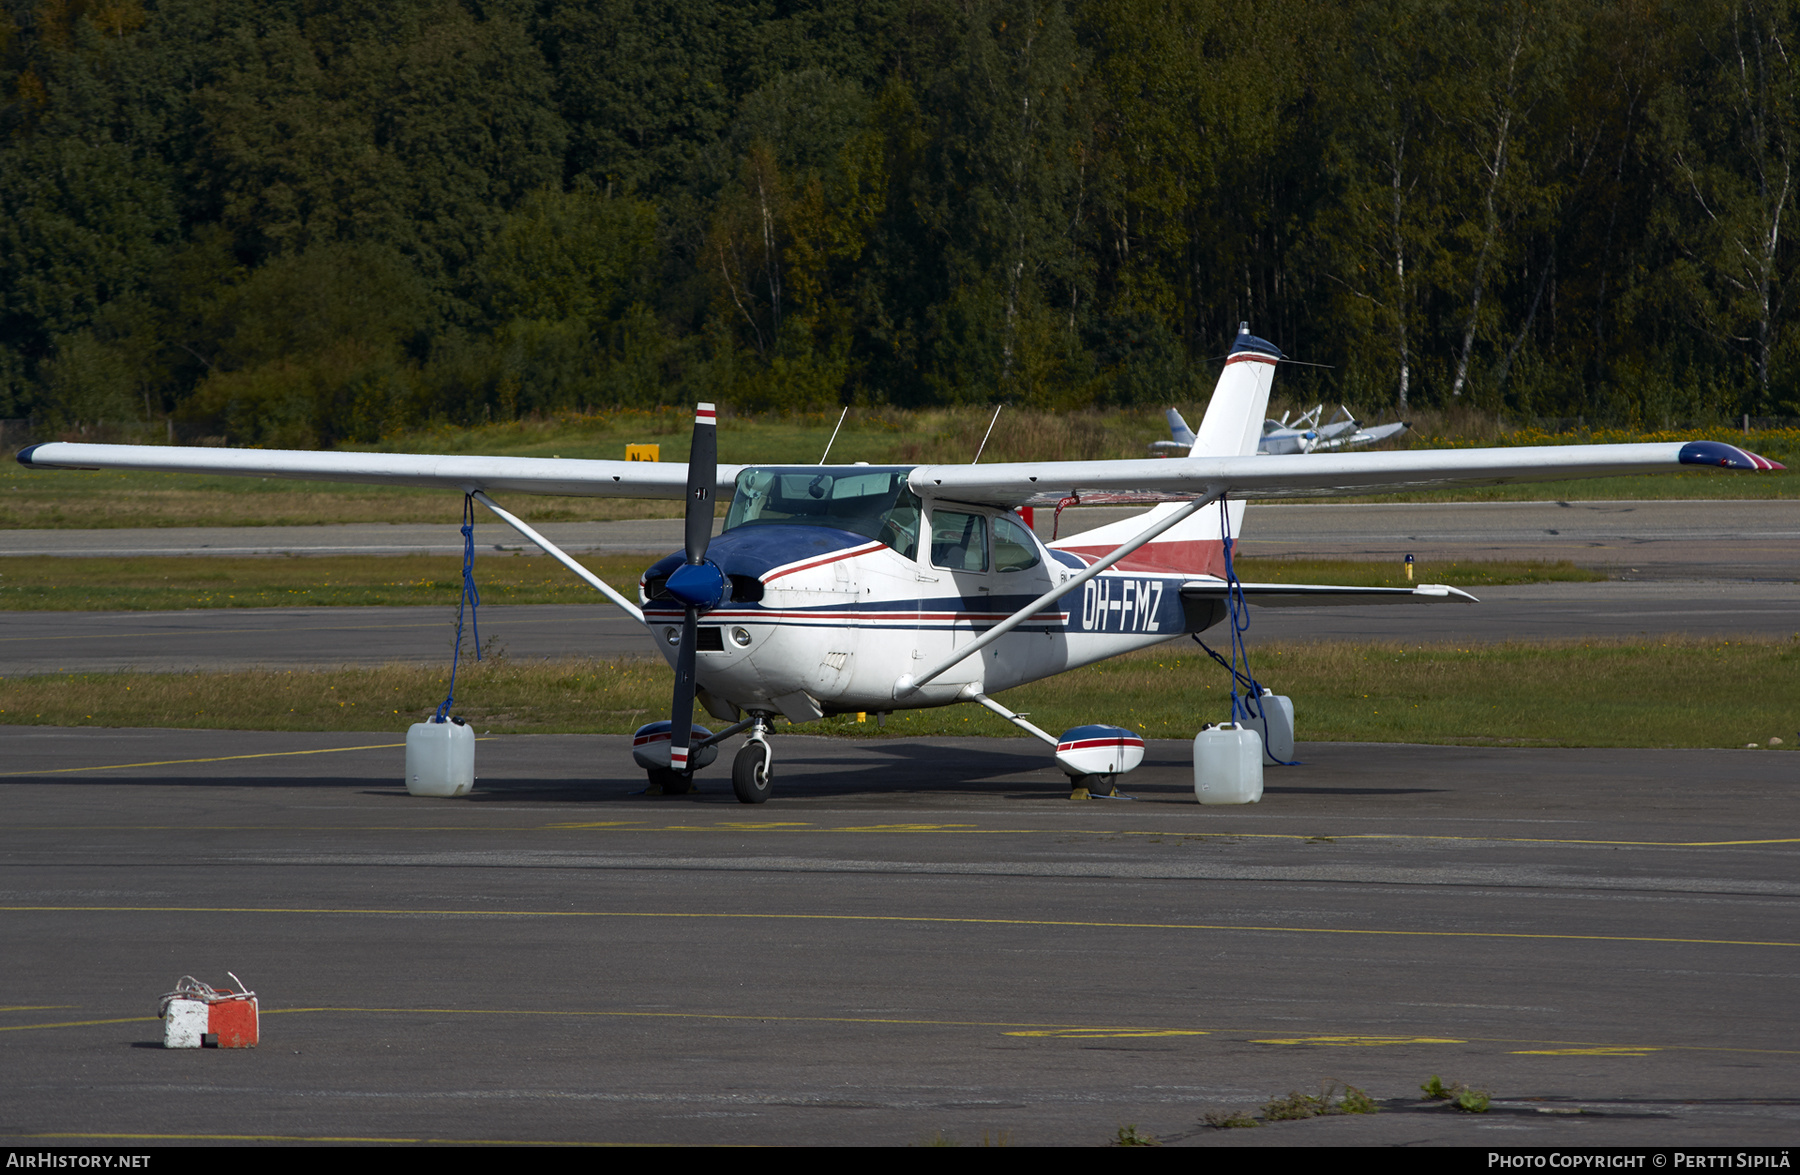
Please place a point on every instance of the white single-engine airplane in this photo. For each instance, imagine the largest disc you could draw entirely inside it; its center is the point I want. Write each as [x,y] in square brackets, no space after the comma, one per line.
[844,588]
[1303,435]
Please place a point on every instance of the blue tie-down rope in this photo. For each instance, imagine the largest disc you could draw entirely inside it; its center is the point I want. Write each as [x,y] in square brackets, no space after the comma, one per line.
[472,598]
[1237,611]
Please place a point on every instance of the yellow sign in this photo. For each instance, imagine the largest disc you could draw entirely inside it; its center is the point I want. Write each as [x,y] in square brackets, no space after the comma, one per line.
[643,452]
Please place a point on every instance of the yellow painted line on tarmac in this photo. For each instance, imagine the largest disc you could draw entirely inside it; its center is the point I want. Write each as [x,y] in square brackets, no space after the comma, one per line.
[1106,1033]
[83,1023]
[1024,1029]
[1044,1031]
[1546,840]
[1361,1042]
[1598,1051]
[37,1008]
[752,1018]
[740,827]
[216,759]
[1168,834]
[895,919]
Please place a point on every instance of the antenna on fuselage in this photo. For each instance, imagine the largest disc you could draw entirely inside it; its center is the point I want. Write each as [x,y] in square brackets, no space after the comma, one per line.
[834,433]
[986,435]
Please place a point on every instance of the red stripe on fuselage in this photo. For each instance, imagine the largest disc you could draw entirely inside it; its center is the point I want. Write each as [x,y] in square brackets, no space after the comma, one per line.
[822,561]
[1184,557]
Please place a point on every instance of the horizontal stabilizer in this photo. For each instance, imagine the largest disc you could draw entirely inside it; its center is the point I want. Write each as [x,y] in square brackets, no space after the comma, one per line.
[1325,595]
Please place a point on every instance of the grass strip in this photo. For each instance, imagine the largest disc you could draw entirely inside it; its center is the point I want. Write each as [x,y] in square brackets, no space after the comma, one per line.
[31,583]
[1667,692]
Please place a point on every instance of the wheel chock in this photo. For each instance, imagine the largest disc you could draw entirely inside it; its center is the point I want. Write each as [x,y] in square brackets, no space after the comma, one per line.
[196,1015]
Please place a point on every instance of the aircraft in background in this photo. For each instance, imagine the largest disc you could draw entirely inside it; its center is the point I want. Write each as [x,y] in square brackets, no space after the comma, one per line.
[872,588]
[1304,435]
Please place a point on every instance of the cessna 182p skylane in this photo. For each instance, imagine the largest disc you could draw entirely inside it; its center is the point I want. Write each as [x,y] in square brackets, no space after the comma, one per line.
[840,588]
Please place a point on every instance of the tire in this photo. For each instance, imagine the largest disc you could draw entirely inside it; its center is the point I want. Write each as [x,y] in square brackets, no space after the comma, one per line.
[671,782]
[749,779]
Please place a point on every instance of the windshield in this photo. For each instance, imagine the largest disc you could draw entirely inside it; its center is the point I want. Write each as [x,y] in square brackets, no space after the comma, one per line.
[860,500]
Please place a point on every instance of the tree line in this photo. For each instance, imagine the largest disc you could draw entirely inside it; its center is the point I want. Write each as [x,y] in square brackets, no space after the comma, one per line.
[303,221]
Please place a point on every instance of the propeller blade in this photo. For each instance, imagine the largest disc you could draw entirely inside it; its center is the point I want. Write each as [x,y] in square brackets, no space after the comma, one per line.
[681,713]
[703,479]
[697,584]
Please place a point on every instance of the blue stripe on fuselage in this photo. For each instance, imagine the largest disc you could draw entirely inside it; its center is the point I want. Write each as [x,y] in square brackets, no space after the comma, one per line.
[1108,603]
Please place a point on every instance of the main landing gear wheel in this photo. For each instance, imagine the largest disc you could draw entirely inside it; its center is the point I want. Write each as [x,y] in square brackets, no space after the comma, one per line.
[751,776]
[669,782]
[1085,787]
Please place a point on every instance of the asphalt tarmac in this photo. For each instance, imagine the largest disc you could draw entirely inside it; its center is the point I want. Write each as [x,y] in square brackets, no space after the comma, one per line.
[1642,540]
[1679,540]
[318,638]
[1701,568]
[915,940]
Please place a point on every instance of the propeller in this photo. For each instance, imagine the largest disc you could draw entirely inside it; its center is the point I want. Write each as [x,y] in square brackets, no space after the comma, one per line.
[699,585]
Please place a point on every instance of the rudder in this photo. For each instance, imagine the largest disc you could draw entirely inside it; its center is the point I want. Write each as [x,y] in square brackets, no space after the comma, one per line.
[1231,427]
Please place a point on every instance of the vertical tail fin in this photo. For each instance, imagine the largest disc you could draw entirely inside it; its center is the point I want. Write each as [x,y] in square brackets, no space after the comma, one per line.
[1240,402]
[1231,428]
[1179,432]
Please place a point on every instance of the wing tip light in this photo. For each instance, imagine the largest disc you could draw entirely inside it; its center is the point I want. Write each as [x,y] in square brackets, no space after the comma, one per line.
[1724,456]
[27,458]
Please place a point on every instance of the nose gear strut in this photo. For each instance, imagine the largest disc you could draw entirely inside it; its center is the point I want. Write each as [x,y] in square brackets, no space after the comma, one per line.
[753,771]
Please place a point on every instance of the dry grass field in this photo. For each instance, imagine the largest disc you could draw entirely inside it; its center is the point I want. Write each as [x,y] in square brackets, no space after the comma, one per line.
[55,499]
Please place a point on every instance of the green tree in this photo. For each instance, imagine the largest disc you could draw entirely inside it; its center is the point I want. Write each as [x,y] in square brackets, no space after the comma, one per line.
[1728,140]
[414,125]
[1012,151]
[316,346]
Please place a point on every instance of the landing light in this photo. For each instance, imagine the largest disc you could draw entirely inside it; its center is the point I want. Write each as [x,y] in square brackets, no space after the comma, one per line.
[740,637]
[672,635]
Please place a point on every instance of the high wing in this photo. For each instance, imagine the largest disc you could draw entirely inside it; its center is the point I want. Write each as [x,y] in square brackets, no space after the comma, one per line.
[1310,475]
[525,475]
[1013,484]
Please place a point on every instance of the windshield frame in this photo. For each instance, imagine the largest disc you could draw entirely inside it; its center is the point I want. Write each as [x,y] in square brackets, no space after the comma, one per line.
[765,495]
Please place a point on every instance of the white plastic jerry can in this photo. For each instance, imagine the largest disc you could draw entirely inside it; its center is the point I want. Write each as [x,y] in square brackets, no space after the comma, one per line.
[440,758]
[1228,765]
[1276,727]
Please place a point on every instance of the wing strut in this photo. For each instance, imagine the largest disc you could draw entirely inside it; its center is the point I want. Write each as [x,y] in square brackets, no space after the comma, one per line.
[911,682]
[560,555]
[1017,720]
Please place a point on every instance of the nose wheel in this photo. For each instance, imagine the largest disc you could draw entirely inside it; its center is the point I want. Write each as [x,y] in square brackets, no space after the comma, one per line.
[753,771]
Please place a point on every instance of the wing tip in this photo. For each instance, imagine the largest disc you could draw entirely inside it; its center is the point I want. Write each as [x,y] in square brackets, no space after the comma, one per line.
[1724,456]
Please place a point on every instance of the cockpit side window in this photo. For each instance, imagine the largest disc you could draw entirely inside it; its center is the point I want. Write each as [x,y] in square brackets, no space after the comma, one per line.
[900,529]
[958,541]
[1014,548]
